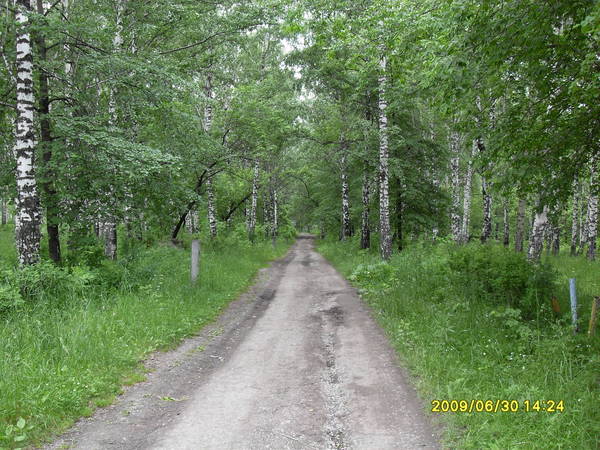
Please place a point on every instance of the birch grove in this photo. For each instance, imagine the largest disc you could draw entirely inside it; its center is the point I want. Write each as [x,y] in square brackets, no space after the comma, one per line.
[108,117]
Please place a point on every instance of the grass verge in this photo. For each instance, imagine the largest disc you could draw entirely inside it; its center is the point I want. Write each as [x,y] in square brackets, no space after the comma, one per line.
[460,344]
[72,349]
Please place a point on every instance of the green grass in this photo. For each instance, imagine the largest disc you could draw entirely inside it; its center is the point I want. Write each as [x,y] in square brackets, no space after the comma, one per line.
[8,253]
[71,350]
[459,346]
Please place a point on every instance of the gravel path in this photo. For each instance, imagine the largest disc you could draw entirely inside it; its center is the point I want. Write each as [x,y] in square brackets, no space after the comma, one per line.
[296,363]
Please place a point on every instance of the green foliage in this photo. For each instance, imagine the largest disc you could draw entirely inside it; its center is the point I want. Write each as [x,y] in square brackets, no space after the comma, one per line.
[501,276]
[463,345]
[44,282]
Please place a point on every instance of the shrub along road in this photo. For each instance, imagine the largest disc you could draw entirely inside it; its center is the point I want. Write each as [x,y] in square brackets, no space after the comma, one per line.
[297,362]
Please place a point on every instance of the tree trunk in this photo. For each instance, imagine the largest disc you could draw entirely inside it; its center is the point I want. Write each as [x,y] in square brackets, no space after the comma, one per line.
[506,237]
[110,223]
[210,193]
[555,237]
[455,174]
[110,240]
[537,234]
[399,216]
[28,216]
[254,200]
[275,215]
[346,232]
[466,220]
[582,220]
[385,246]
[52,214]
[4,207]
[592,219]
[575,218]
[365,230]
[486,230]
[212,215]
[520,232]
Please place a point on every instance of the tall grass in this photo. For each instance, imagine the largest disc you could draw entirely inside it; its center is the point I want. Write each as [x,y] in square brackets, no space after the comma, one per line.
[63,355]
[461,345]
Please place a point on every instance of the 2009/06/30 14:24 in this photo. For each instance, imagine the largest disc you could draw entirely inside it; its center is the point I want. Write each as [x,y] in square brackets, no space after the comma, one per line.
[494,406]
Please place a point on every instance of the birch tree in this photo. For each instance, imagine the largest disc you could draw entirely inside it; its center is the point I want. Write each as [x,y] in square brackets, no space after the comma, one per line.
[254,202]
[506,235]
[466,219]
[210,193]
[536,243]
[592,215]
[28,215]
[385,246]
[109,226]
[455,218]
[346,230]
[520,226]
[365,229]
[575,218]
[4,208]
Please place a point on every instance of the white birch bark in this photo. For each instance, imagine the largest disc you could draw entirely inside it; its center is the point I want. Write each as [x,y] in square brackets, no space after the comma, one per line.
[212,215]
[254,201]
[28,214]
[365,231]
[68,63]
[275,218]
[582,219]
[345,194]
[191,221]
[575,218]
[110,224]
[486,229]
[536,243]
[210,193]
[592,217]
[385,245]
[455,219]
[466,219]
[506,237]
[520,231]
[208,114]
[4,207]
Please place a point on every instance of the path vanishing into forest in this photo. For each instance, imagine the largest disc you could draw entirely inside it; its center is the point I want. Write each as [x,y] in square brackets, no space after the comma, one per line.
[296,363]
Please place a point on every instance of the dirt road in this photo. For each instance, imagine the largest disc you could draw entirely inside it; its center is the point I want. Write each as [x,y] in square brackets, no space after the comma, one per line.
[296,363]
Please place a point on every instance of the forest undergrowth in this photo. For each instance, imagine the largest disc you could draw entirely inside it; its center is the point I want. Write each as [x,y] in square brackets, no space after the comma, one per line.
[476,323]
[71,337]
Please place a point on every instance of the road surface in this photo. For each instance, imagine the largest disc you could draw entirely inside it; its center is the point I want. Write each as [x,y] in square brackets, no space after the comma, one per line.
[296,363]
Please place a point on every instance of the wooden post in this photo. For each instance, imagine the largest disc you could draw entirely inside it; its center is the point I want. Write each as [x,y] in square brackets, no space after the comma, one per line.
[195,260]
[573,294]
[594,316]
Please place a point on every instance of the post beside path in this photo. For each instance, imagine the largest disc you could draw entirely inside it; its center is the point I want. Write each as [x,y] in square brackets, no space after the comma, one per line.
[195,270]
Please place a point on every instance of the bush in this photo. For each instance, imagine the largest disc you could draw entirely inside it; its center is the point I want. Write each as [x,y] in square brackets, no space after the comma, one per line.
[43,282]
[502,276]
